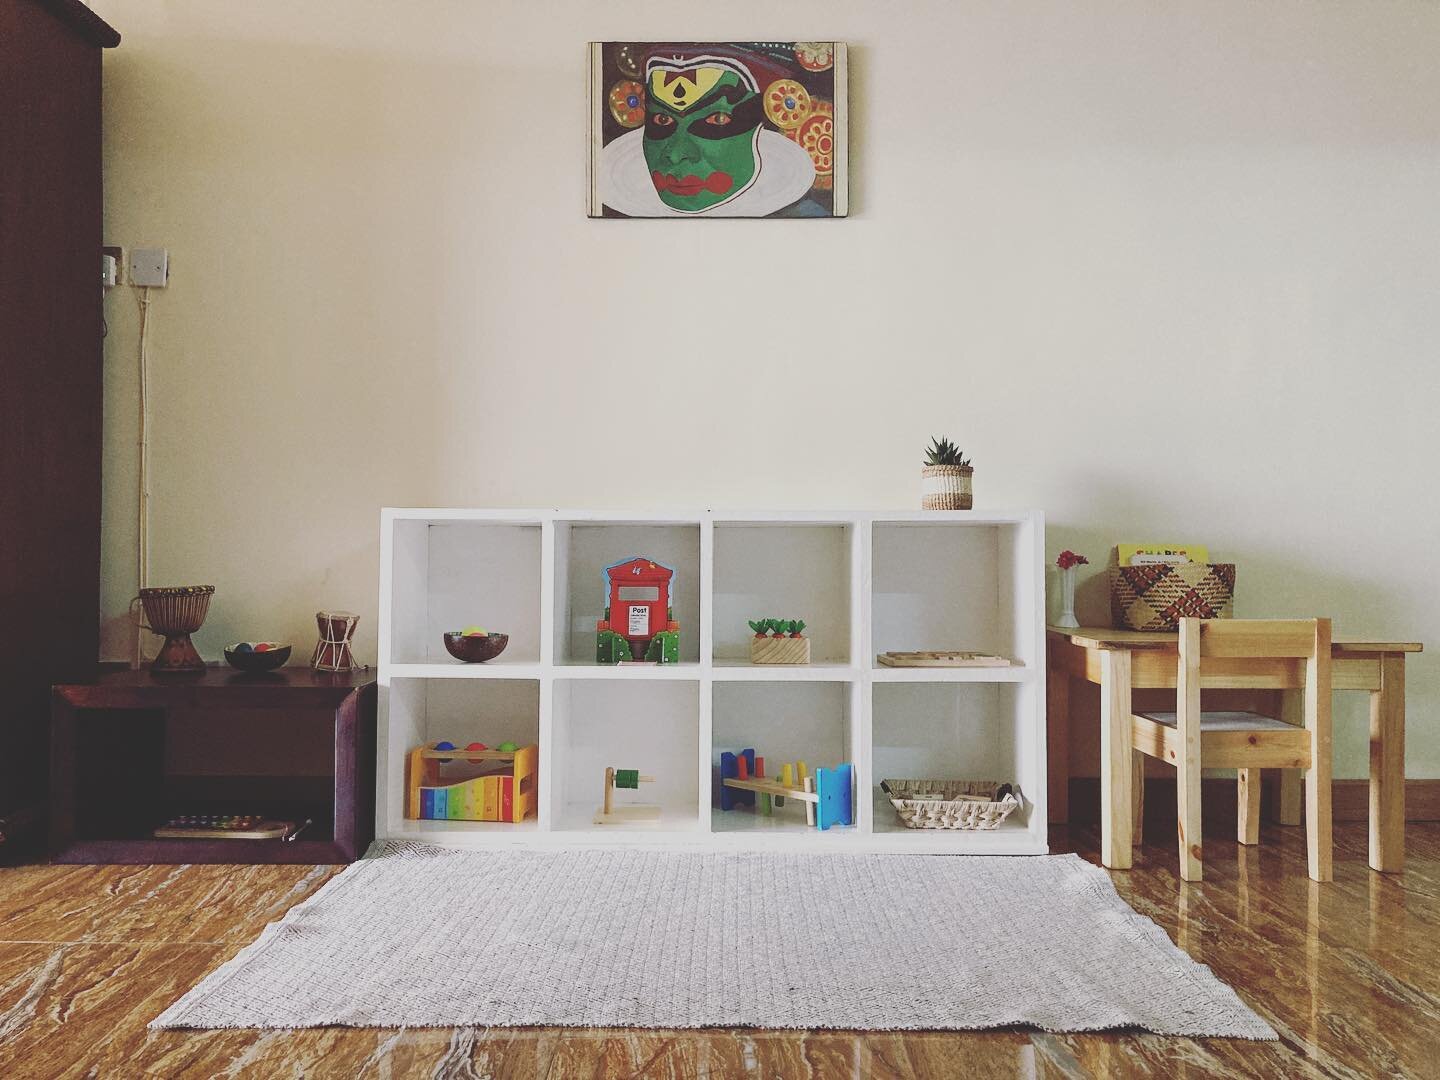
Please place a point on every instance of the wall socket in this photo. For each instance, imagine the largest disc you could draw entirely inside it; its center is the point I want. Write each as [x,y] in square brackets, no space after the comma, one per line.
[118,255]
[149,266]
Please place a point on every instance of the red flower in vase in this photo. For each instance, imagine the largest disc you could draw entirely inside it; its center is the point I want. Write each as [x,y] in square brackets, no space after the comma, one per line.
[1067,558]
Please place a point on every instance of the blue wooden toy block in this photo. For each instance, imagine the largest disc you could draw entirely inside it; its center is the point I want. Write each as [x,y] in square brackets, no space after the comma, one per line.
[729,770]
[835,788]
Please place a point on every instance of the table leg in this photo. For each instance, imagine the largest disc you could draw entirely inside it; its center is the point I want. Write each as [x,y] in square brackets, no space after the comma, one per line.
[1057,727]
[1290,809]
[62,772]
[1387,767]
[1137,796]
[1247,805]
[1115,762]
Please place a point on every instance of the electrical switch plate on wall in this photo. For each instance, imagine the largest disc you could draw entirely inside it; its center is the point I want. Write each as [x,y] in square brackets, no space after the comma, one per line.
[149,266]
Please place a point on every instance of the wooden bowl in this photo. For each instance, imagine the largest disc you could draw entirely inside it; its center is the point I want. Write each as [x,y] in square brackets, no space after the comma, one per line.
[477,649]
[250,660]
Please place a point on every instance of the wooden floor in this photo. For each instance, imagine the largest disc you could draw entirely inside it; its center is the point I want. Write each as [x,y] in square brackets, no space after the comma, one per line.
[1348,973]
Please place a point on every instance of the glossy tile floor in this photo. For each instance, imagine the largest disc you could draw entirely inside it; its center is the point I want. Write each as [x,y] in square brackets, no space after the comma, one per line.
[1348,973]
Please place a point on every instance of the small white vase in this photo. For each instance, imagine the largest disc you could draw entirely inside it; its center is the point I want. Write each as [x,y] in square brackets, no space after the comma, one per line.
[1067,600]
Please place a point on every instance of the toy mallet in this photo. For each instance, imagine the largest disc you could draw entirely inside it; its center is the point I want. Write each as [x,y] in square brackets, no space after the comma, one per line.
[610,814]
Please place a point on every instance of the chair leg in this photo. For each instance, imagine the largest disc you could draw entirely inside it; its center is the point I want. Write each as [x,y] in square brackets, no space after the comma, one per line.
[1137,797]
[1247,805]
[1187,797]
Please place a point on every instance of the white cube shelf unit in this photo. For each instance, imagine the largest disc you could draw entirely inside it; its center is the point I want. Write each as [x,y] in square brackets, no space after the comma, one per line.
[863,582]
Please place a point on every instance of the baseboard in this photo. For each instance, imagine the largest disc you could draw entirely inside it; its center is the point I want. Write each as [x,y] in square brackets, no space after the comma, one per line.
[1350,799]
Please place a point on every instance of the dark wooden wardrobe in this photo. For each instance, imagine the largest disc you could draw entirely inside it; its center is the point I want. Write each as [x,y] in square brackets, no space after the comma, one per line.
[50,379]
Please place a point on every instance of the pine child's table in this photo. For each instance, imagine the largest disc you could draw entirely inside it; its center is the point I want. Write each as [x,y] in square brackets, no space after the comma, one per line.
[1124,660]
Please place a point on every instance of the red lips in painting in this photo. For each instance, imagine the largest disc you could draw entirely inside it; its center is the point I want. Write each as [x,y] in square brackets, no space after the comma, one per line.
[717,183]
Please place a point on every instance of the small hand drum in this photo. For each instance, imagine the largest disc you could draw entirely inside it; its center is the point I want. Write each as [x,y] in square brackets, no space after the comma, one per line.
[332,651]
[176,612]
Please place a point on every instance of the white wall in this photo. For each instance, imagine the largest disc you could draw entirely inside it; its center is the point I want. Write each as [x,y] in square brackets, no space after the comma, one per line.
[1166,271]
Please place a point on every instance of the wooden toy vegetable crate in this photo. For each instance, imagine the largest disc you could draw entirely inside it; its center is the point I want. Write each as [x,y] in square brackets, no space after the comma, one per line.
[951,804]
[506,793]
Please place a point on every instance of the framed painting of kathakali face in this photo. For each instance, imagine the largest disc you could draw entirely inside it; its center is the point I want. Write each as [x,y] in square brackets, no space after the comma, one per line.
[711,130]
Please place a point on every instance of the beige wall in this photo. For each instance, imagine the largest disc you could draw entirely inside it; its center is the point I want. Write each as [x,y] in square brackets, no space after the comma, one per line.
[1167,271]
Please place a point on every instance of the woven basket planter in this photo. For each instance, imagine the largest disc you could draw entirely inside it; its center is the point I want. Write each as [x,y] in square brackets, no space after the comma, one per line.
[1157,597]
[949,811]
[947,487]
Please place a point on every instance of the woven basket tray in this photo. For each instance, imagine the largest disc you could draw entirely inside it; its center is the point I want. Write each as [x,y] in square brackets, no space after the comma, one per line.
[1158,597]
[949,811]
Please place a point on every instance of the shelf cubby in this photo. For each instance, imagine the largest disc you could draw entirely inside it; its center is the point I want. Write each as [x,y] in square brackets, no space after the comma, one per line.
[652,726]
[423,711]
[959,585]
[584,548]
[449,575]
[784,569]
[956,731]
[813,722]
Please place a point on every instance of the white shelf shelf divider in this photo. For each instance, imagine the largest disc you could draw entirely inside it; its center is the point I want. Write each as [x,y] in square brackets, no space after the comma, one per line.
[974,579]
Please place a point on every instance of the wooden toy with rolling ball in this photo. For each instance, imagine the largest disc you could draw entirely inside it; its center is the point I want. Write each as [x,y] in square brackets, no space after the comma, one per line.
[639,624]
[506,793]
[828,795]
[635,814]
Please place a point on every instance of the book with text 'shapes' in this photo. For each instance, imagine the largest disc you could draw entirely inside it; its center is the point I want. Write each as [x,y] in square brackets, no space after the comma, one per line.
[1147,554]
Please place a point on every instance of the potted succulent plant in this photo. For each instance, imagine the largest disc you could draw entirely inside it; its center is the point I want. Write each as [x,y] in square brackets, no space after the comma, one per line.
[946,479]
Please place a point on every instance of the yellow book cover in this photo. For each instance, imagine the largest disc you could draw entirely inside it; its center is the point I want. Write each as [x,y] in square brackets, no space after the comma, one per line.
[1144,554]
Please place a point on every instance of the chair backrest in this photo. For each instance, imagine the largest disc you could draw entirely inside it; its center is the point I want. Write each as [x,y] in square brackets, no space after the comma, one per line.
[1258,638]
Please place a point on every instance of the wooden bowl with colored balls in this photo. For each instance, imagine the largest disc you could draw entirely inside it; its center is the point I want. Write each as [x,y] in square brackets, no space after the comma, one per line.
[257,655]
[474,645]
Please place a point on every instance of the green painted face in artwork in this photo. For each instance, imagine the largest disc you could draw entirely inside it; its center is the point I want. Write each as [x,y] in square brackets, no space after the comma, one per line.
[700,131]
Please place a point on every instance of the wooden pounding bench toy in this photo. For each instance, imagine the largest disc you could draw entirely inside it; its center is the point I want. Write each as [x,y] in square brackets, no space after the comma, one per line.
[828,795]
[505,792]
[635,813]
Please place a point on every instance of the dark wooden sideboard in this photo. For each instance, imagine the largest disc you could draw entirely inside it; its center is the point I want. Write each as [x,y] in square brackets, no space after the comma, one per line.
[132,749]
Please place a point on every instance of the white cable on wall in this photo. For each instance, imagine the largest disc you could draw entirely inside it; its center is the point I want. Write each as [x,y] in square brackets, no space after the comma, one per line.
[142,544]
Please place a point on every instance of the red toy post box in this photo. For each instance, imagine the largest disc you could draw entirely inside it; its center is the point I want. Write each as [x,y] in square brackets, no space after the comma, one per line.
[638,603]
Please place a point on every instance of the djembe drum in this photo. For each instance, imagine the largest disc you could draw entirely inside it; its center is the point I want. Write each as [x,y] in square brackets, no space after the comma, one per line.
[332,651]
[176,612]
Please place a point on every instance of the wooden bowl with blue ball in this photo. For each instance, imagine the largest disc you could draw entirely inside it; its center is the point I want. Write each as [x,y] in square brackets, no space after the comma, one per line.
[474,645]
[257,655]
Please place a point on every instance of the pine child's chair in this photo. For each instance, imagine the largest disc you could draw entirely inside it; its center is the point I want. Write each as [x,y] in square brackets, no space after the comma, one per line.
[1248,742]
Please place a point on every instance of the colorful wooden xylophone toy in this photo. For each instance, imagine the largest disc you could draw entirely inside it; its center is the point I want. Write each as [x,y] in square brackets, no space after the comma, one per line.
[828,795]
[506,793]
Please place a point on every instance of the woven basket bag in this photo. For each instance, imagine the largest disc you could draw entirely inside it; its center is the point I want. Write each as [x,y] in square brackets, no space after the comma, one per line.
[950,812]
[1157,597]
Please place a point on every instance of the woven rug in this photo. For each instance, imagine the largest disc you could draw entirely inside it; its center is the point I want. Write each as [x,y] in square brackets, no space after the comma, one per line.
[416,936]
